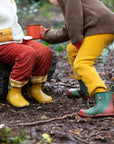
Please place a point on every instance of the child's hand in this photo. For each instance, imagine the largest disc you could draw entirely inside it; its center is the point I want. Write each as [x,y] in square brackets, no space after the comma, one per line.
[43,30]
[78,45]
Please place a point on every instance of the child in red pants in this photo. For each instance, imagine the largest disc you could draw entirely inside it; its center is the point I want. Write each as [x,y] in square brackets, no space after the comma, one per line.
[89,25]
[30,59]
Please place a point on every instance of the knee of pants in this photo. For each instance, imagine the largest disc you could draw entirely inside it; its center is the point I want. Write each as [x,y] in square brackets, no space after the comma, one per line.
[82,65]
[43,63]
[70,48]
[28,56]
[45,55]
[71,51]
[77,66]
[48,53]
[24,64]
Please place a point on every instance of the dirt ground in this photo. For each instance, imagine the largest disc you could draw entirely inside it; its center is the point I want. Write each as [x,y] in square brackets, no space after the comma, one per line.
[59,118]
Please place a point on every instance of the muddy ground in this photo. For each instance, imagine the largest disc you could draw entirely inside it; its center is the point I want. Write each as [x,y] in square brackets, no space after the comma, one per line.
[59,118]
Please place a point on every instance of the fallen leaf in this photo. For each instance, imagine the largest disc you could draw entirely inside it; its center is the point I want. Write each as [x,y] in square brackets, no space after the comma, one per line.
[47,137]
[44,117]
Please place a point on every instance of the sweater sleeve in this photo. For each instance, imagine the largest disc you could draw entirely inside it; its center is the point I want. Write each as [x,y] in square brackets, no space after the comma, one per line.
[74,20]
[56,36]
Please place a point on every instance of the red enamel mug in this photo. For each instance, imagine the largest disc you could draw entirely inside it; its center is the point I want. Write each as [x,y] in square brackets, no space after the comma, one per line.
[34,31]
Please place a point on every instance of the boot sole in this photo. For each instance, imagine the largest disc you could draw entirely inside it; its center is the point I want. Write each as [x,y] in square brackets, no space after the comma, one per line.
[97,115]
[17,107]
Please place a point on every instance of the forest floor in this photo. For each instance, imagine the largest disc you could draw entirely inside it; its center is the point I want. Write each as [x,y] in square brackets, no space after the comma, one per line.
[58,122]
[59,118]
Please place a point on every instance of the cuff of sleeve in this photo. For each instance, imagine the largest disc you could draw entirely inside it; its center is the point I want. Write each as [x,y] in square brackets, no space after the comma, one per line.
[78,45]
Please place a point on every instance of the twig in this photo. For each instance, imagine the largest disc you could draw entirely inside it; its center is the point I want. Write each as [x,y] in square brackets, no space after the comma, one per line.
[45,121]
[78,138]
[64,84]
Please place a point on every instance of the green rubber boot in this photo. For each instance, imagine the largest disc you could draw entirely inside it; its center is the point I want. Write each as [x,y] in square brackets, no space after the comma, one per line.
[83,92]
[104,106]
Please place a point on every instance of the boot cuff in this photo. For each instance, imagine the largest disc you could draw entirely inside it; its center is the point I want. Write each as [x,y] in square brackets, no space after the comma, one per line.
[18,84]
[38,79]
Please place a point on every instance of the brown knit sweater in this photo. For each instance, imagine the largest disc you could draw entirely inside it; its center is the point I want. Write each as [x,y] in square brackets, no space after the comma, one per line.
[82,18]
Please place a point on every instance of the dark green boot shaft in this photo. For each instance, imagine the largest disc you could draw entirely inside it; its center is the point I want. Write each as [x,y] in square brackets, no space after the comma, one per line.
[83,92]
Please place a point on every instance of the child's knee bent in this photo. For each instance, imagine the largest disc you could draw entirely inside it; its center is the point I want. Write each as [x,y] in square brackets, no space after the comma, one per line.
[30,54]
[77,66]
[46,55]
[70,48]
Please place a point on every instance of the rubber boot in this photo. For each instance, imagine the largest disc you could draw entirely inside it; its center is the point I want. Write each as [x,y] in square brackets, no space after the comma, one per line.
[104,106]
[15,98]
[83,92]
[36,92]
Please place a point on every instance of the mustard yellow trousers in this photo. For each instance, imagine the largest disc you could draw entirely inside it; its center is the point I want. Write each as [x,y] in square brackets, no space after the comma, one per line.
[82,61]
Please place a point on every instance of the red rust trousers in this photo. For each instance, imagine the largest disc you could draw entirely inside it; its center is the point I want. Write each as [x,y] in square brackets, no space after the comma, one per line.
[28,58]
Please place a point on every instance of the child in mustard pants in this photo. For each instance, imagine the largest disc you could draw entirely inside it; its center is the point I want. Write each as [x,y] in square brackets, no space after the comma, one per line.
[89,25]
[82,61]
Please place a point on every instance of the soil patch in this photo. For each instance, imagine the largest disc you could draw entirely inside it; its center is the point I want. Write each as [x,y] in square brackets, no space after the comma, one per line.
[59,118]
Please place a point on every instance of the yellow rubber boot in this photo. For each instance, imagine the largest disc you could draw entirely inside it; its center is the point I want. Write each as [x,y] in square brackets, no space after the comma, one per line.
[15,98]
[37,93]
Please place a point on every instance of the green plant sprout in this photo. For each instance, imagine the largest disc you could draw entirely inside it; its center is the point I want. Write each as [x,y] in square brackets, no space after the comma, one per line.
[4,136]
